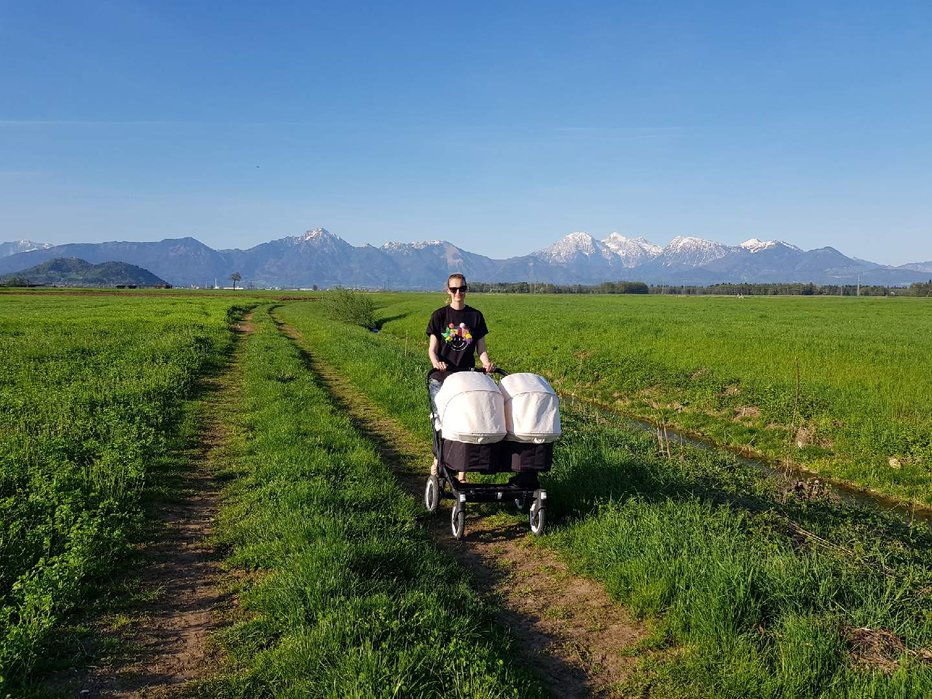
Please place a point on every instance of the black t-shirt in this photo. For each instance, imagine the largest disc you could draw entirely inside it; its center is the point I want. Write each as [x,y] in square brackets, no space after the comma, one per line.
[457,334]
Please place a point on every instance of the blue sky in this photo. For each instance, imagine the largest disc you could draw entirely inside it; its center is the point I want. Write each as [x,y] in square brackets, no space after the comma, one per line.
[499,126]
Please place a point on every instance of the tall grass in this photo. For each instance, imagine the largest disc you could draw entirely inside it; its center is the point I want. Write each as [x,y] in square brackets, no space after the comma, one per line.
[91,391]
[348,596]
[761,592]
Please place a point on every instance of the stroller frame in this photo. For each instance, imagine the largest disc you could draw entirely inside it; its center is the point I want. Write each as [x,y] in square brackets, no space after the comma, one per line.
[523,489]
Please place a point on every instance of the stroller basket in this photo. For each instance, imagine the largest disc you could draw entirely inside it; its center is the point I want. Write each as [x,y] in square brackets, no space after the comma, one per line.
[481,458]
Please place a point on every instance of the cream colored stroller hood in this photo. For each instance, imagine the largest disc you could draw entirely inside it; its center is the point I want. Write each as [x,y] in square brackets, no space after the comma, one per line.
[532,409]
[471,409]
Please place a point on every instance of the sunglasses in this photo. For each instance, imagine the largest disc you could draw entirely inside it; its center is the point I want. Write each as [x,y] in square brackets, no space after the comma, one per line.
[454,289]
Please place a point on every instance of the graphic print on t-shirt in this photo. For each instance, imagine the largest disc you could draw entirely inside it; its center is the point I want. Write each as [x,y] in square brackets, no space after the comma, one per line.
[458,337]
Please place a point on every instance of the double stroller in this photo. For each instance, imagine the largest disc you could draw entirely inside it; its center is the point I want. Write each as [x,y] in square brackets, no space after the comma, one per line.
[487,428]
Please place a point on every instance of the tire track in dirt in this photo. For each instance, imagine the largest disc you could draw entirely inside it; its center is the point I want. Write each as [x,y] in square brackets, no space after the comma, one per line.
[166,644]
[580,642]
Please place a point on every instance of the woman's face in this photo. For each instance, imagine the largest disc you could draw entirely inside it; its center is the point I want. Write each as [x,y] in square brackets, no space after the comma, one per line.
[456,289]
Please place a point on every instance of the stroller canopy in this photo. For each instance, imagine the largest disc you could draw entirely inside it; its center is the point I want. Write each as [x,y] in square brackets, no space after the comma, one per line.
[471,409]
[532,409]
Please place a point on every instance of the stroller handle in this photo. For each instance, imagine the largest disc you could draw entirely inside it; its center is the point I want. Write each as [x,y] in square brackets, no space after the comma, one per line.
[497,370]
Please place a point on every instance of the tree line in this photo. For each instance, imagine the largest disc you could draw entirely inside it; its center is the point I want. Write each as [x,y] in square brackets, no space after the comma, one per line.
[621,287]
[740,289]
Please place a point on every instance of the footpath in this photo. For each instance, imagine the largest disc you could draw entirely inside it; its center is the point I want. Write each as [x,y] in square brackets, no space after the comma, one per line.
[163,640]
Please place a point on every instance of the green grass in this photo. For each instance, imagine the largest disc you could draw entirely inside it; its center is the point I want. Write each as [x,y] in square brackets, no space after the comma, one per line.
[754,592]
[91,395]
[727,368]
[758,591]
[347,597]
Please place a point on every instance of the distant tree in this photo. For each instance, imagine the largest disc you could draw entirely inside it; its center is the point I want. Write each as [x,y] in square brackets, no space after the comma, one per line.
[236,276]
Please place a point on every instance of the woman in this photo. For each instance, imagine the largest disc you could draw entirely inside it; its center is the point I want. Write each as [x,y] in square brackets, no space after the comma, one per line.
[456,333]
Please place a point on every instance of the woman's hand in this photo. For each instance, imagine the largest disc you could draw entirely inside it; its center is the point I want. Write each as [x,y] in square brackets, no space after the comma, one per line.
[489,367]
[433,354]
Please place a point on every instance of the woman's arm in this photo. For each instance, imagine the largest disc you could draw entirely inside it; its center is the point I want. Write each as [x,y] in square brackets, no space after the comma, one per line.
[435,361]
[487,363]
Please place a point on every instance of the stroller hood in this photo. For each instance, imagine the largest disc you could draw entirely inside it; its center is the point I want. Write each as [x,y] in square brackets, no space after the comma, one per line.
[532,409]
[471,409]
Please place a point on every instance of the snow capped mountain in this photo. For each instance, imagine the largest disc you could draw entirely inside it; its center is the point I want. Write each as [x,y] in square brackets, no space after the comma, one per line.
[692,252]
[319,237]
[315,234]
[18,246]
[573,247]
[632,251]
[754,245]
[420,245]
[316,255]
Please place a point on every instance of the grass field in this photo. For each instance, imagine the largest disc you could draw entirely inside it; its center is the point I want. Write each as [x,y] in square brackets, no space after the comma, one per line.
[842,386]
[91,394]
[760,592]
[752,590]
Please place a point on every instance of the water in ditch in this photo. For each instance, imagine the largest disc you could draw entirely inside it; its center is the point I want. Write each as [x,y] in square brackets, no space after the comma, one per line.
[787,474]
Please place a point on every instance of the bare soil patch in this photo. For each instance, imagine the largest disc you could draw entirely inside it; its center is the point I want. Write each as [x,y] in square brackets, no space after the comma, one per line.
[747,412]
[875,648]
[567,628]
[163,645]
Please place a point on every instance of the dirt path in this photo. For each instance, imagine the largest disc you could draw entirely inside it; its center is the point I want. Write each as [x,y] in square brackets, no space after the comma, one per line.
[164,643]
[575,637]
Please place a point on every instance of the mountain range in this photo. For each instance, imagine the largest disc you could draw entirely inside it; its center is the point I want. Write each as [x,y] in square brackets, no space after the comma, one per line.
[321,258]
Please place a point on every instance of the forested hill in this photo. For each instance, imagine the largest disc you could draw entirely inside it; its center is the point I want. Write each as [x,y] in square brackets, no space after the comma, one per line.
[72,271]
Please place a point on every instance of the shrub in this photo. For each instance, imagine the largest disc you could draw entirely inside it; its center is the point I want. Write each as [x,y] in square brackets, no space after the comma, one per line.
[350,306]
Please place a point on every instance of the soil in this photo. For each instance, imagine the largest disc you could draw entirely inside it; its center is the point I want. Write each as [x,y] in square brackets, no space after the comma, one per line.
[875,649]
[164,644]
[566,628]
[747,412]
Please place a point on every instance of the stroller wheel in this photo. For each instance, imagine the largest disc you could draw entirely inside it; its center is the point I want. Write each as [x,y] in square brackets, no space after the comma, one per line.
[521,503]
[432,494]
[458,521]
[537,517]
